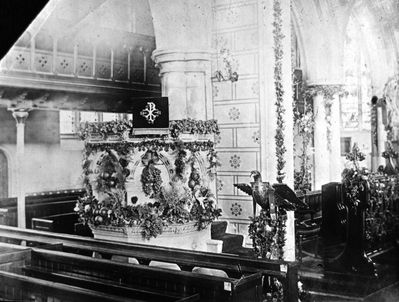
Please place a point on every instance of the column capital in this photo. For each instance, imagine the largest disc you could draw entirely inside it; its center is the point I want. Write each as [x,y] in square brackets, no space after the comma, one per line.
[169,60]
[20,116]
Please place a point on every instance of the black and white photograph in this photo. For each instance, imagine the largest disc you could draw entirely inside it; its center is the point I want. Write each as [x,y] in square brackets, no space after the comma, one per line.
[199,150]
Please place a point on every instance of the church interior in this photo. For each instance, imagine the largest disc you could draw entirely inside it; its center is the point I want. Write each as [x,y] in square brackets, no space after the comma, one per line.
[200,150]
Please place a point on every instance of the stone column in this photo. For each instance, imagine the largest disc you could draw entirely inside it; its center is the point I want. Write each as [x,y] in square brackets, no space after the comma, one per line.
[186,80]
[381,137]
[20,117]
[327,137]
[321,154]
[183,30]
[335,145]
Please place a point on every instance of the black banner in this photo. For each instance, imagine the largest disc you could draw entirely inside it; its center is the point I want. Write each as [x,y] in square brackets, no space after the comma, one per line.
[151,113]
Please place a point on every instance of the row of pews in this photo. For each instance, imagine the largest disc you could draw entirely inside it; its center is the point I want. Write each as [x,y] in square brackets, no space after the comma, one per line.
[130,272]
[49,210]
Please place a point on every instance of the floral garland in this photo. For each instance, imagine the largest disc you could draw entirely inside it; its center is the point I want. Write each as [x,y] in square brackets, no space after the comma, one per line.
[328,92]
[117,127]
[373,120]
[193,127]
[268,235]
[278,57]
[121,127]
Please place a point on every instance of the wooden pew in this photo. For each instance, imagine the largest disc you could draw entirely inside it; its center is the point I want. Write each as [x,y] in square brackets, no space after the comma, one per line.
[39,205]
[22,281]
[93,273]
[233,265]
[59,223]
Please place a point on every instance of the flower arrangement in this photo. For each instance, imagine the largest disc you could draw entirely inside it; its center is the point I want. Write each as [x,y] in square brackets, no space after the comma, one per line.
[278,85]
[230,64]
[354,178]
[382,221]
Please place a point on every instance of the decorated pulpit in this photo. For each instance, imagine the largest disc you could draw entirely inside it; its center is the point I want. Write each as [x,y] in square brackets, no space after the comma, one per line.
[149,183]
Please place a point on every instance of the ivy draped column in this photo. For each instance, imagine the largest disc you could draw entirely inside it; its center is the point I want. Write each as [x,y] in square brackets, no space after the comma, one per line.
[20,117]
[275,65]
[327,137]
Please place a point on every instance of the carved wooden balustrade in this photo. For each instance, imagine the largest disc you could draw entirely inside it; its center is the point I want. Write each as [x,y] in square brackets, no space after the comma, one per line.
[34,70]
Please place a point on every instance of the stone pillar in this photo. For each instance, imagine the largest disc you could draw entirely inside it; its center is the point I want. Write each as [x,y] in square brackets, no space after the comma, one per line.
[321,161]
[335,146]
[381,137]
[20,117]
[183,30]
[186,80]
[327,137]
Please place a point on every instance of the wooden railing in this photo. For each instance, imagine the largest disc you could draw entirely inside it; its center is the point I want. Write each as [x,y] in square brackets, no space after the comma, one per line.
[234,266]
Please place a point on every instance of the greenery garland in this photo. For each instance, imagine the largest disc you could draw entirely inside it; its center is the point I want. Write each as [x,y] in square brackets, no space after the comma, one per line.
[278,75]
[268,235]
[121,127]
[192,126]
[104,129]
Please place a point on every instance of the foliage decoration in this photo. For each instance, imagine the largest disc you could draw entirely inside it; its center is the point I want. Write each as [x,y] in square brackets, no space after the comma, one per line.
[230,64]
[278,85]
[389,100]
[268,235]
[304,123]
[192,126]
[151,180]
[328,92]
[117,127]
[175,204]
[121,127]
[354,178]
[382,220]
[204,210]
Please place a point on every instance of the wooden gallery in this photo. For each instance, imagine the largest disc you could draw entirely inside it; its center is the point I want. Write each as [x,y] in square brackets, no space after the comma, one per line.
[199,150]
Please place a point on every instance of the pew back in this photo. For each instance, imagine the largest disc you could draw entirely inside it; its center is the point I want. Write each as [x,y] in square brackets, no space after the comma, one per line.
[233,265]
[39,205]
